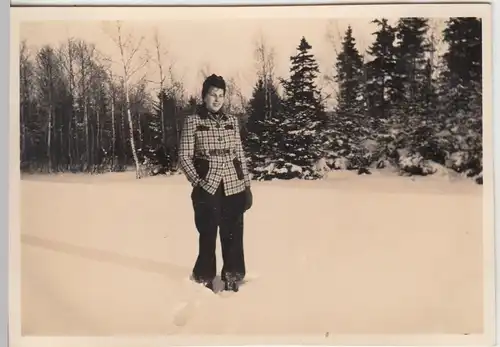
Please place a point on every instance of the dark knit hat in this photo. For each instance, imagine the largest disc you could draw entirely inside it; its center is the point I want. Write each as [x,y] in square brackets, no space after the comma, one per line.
[213,81]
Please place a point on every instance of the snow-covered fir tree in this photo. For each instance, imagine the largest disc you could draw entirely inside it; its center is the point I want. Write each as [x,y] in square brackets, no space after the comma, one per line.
[153,153]
[413,97]
[425,124]
[410,66]
[380,90]
[460,99]
[302,120]
[260,138]
[163,132]
[401,92]
[380,72]
[349,76]
[348,130]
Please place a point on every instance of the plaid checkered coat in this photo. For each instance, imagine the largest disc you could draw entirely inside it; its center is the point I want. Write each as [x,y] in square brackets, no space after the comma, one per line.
[211,151]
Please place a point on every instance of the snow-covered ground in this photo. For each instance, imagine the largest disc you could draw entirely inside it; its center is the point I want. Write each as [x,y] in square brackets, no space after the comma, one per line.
[111,255]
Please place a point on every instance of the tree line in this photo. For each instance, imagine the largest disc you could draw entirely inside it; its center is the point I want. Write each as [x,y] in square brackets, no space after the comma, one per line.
[398,105]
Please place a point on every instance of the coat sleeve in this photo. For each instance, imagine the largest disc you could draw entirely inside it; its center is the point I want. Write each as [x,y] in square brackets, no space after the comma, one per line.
[186,151]
[241,153]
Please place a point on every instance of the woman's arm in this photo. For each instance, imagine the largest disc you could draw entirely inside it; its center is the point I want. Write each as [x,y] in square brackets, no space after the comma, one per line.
[241,153]
[186,151]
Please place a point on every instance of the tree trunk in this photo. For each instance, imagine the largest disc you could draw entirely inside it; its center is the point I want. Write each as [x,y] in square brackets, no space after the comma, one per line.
[49,139]
[99,140]
[23,130]
[77,144]
[123,137]
[70,129]
[87,138]
[113,142]
[92,147]
[85,114]
[127,73]
[60,157]
[131,133]
[163,130]
[71,138]
[139,129]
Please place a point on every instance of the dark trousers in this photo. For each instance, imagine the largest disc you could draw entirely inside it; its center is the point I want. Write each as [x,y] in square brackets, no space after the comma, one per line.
[218,211]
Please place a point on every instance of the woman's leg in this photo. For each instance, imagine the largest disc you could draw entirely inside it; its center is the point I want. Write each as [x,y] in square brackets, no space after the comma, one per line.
[231,235]
[207,209]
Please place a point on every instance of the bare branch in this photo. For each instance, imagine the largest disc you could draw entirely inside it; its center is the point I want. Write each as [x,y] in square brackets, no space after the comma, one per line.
[158,57]
[205,70]
[134,52]
[264,59]
[139,67]
[334,37]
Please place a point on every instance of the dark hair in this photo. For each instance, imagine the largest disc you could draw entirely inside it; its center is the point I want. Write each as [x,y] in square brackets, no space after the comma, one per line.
[212,81]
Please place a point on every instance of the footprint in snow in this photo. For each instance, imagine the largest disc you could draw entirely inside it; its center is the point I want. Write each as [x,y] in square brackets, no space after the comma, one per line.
[184,312]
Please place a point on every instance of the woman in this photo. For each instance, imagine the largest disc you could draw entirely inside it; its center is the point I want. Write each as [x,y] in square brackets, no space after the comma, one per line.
[212,158]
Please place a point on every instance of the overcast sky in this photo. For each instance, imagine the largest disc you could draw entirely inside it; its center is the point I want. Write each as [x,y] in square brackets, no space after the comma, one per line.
[224,45]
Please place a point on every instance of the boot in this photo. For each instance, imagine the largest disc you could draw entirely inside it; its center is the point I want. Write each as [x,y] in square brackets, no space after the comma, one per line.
[209,285]
[231,286]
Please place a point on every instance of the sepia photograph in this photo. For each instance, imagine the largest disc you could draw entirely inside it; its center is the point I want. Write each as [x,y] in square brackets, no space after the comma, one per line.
[282,174]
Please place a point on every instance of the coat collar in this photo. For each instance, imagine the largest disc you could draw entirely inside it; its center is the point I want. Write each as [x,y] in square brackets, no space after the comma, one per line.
[203,113]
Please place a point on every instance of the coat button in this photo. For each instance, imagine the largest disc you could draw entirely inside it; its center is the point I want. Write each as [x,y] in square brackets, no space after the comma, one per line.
[217,126]
[220,139]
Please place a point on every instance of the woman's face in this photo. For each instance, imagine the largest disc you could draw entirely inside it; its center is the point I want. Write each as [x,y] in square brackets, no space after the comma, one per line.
[214,99]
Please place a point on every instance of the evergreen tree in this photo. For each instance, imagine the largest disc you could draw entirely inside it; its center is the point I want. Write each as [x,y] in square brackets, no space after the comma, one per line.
[303,119]
[410,79]
[349,67]
[463,61]
[192,104]
[381,91]
[162,153]
[264,106]
[154,149]
[347,133]
[414,96]
[461,94]
[301,92]
[380,72]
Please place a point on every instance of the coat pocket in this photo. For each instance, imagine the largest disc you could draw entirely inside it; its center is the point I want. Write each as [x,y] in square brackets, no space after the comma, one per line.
[202,166]
[239,168]
[202,127]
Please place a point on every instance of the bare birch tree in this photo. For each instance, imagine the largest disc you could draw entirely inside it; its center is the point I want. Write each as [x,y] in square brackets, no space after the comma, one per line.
[265,70]
[435,40]
[68,54]
[46,76]
[160,53]
[131,63]
[235,101]
[238,94]
[85,55]
[334,37]
[112,90]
